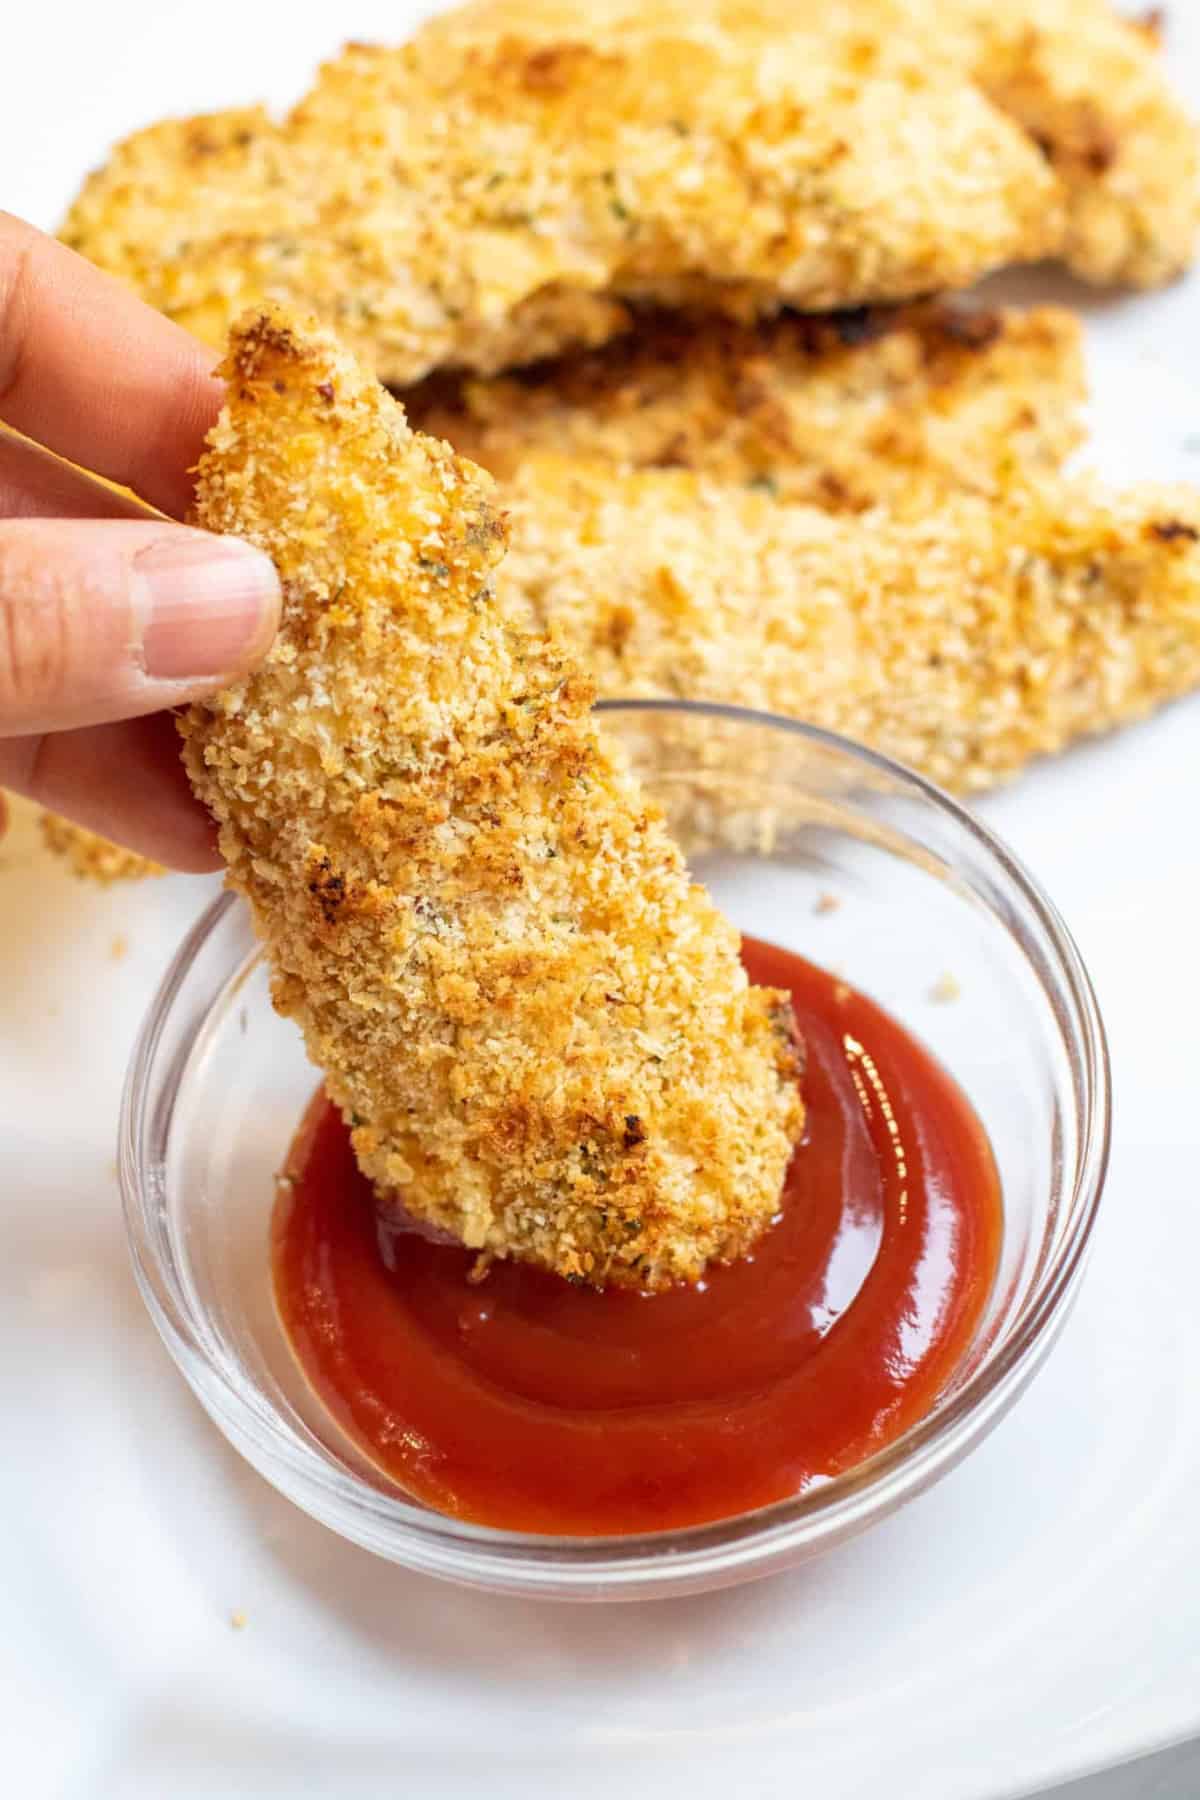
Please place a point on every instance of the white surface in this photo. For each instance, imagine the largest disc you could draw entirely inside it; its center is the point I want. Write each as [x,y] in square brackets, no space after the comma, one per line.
[1035,1617]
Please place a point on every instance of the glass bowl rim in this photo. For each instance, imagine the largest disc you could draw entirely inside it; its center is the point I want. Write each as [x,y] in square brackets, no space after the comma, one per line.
[726,1549]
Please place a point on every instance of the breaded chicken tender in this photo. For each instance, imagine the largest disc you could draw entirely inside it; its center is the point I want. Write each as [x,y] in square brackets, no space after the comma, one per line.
[539,1030]
[964,642]
[844,412]
[91,856]
[1085,84]
[487,194]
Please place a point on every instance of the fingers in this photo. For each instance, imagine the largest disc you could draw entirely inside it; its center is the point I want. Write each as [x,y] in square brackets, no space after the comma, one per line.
[125,781]
[90,371]
[36,485]
[105,612]
[107,619]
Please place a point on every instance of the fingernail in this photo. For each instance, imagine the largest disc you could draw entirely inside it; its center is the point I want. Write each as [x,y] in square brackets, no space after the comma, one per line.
[210,605]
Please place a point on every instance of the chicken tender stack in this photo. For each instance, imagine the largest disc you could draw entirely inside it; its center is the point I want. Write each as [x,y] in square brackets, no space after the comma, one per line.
[576,239]
[540,1033]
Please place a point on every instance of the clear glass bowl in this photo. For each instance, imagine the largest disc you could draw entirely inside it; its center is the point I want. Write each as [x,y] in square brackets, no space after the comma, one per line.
[777,817]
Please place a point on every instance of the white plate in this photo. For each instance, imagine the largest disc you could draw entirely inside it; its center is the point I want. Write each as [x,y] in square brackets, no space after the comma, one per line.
[1035,1616]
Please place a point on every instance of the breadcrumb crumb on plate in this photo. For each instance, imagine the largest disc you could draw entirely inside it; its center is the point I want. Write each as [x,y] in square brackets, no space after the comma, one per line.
[91,856]
[538,1029]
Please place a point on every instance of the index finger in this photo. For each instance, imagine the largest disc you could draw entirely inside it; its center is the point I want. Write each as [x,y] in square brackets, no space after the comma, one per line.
[90,371]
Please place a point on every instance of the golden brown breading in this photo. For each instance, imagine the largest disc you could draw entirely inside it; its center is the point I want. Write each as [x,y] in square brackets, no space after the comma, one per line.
[964,641]
[539,1030]
[845,412]
[91,856]
[485,198]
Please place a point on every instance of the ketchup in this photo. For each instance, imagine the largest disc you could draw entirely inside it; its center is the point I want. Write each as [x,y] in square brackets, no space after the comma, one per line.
[527,1403]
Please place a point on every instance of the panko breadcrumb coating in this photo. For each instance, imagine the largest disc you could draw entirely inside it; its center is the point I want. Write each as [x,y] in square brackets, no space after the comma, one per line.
[540,1032]
[91,856]
[846,412]
[487,194]
[963,641]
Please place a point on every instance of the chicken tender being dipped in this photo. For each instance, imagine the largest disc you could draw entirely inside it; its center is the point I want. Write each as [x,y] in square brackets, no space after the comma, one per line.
[538,1028]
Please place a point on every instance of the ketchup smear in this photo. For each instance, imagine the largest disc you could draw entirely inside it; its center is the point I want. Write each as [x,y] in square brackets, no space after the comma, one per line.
[528,1403]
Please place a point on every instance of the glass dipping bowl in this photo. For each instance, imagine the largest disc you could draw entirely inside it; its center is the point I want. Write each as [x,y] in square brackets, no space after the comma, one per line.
[779,820]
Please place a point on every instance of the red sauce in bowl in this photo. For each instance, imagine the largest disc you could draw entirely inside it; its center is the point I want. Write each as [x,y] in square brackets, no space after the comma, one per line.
[527,1403]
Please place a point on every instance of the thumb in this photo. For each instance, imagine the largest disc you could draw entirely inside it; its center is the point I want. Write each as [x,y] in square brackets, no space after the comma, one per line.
[105,619]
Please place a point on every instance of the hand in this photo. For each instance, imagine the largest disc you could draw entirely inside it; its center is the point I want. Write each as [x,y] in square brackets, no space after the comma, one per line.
[109,614]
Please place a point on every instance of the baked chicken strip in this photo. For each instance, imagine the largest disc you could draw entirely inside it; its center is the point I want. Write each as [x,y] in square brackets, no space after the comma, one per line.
[539,1030]
[488,193]
[845,412]
[1085,84]
[964,642]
